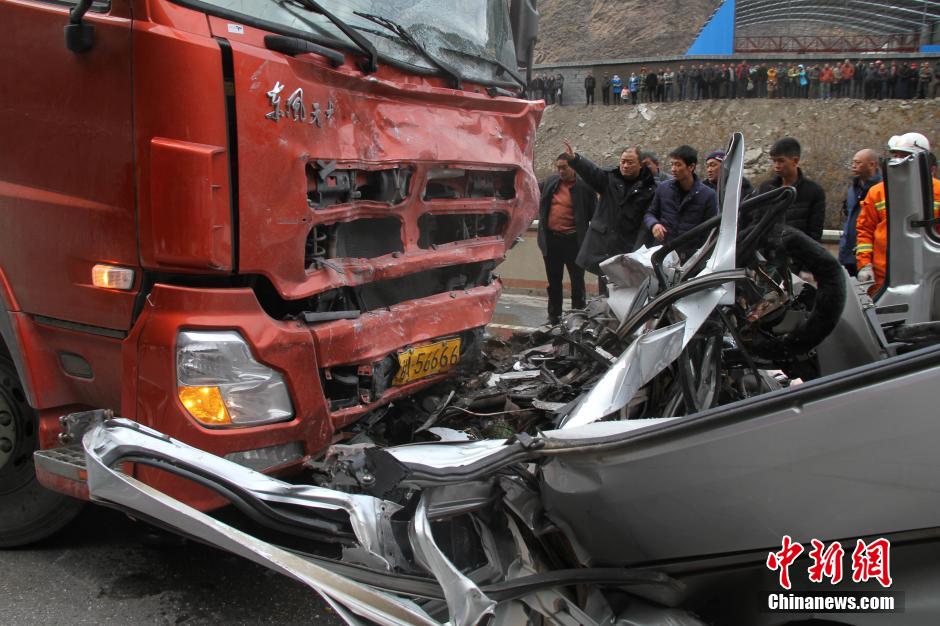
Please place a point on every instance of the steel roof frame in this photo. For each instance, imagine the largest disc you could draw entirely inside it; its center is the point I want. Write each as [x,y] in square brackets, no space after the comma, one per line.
[750,12]
[793,16]
[845,16]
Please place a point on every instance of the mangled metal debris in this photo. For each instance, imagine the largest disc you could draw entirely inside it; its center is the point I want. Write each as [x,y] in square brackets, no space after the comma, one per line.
[607,470]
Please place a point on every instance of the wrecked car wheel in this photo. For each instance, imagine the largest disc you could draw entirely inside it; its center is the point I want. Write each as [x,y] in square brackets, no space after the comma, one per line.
[28,511]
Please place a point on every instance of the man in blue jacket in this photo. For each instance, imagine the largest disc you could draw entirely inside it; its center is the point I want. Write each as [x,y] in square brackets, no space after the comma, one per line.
[680,204]
[866,176]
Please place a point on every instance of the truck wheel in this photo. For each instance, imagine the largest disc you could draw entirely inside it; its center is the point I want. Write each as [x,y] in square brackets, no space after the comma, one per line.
[28,511]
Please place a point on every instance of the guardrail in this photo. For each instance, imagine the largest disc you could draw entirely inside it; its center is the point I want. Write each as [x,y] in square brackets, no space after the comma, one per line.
[523,271]
[828,236]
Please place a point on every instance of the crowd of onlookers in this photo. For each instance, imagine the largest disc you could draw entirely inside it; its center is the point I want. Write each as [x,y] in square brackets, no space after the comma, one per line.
[551,89]
[589,213]
[847,79]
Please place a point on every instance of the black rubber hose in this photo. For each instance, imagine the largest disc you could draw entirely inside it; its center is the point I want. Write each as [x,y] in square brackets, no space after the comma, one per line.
[829,303]
[248,503]
[751,237]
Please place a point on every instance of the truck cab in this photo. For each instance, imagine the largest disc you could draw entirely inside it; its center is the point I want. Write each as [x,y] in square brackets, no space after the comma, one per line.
[245,224]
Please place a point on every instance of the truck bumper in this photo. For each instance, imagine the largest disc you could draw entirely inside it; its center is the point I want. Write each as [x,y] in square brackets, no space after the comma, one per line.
[305,354]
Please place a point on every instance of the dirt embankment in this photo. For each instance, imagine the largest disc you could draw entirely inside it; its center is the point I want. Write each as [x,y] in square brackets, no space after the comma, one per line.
[613,29]
[830,132]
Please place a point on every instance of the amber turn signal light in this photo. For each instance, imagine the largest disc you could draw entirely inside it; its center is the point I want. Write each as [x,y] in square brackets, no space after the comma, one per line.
[205,404]
[112,277]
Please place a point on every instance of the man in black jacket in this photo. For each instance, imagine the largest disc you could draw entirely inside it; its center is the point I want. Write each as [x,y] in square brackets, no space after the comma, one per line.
[565,209]
[713,161]
[652,80]
[625,193]
[589,85]
[808,211]
[709,82]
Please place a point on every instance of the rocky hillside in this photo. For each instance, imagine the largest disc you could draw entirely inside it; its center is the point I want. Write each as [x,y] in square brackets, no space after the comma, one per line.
[830,131]
[572,30]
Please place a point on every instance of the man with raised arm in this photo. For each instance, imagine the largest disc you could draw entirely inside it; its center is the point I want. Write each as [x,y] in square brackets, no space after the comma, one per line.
[625,191]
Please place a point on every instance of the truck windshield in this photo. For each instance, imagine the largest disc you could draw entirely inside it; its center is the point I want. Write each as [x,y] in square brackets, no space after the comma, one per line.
[474,37]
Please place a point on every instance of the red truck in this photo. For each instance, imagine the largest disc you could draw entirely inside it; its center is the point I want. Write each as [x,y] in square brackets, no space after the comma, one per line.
[246,224]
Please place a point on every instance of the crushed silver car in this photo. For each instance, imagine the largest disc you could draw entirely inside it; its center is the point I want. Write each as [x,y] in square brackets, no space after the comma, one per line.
[631,465]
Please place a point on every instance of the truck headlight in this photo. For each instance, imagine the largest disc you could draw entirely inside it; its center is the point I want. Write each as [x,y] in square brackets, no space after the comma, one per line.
[221,384]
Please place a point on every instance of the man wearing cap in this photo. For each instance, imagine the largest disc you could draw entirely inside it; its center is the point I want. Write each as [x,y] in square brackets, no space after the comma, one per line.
[871,253]
[713,161]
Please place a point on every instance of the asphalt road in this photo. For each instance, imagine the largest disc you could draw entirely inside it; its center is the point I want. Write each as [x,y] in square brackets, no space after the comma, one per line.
[100,570]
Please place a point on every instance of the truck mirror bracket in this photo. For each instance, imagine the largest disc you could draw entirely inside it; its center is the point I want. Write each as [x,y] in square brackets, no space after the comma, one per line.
[79,36]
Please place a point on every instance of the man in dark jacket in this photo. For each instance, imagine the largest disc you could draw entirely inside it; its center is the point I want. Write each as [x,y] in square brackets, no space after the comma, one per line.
[866,176]
[695,82]
[713,163]
[651,161]
[808,211]
[625,193]
[710,82]
[589,86]
[565,209]
[651,81]
[680,204]
[605,89]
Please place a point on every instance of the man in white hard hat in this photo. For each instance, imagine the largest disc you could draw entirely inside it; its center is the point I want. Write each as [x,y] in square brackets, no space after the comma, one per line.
[871,253]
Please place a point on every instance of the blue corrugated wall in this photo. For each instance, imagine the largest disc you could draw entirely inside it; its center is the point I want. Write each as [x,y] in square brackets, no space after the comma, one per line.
[718,35]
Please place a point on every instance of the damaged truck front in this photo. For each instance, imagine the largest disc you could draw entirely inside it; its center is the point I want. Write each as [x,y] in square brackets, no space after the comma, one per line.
[246,225]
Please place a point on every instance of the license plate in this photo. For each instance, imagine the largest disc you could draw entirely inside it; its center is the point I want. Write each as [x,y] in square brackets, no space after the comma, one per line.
[422,361]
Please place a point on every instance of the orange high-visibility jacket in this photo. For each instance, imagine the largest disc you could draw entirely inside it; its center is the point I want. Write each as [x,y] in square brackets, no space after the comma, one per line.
[872,227]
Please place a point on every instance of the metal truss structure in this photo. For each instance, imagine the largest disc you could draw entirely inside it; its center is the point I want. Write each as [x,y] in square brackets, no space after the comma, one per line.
[896,26]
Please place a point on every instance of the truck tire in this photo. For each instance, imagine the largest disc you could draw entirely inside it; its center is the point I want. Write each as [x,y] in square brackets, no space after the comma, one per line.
[28,511]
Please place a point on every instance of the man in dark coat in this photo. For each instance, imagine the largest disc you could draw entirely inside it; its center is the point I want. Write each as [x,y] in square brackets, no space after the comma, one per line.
[695,82]
[808,211]
[565,209]
[589,86]
[605,89]
[625,193]
[651,81]
[713,163]
[682,203]
[710,82]
[865,176]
